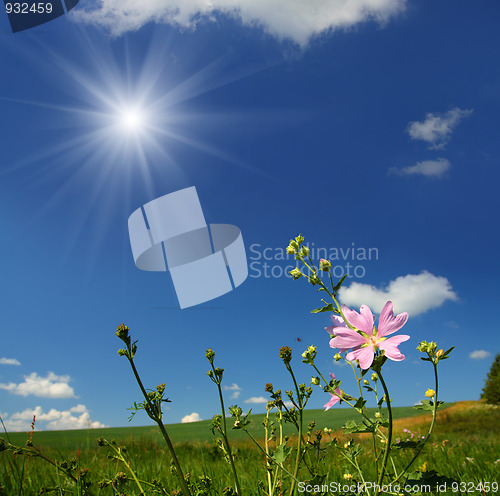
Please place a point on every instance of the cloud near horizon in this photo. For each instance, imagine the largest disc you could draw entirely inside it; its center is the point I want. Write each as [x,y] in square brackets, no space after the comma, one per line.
[193,417]
[429,168]
[256,400]
[51,386]
[235,388]
[413,293]
[9,361]
[284,19]
[53,420]
[436,129]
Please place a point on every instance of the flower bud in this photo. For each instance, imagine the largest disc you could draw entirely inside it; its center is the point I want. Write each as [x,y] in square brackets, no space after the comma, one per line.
[347,476]
[430,393]
[337,357]
[296,274]
[209,355]
[325,265]
[304,251]
[374,377]
[291,250]
[122,332]
[378,415]
[285,354]
[299,239]
[365,382]
[316,381]
[439,353]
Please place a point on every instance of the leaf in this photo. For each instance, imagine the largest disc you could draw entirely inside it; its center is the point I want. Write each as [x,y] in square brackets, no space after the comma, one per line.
[352,427]
[339,284]
[408,444]
[426,405]
[281,453]
[327,308]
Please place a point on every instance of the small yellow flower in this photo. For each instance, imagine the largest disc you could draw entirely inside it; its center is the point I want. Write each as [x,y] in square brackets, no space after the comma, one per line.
[378,415]
[423,468]
[347,476]
[439,353]
[430,393]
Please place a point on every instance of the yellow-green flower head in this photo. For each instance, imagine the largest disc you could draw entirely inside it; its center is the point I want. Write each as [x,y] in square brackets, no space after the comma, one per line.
[430,393]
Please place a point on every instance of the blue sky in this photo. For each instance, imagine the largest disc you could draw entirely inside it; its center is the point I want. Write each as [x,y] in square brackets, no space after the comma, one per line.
[359,128]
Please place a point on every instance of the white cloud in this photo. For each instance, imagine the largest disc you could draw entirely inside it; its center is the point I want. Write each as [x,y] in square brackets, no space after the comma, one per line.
[479,354]
[51,386]
[236,390]
[297,20]
[429,168]
[257,400]
[52,420]
[413,293]
[436,129]
[194,417]
[9,361]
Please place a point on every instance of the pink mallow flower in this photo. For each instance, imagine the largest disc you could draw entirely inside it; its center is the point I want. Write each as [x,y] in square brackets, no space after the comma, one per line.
[334,398]
[370,339]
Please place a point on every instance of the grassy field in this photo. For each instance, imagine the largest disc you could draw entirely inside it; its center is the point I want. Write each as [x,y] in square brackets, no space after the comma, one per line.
[190,432]
[465,446]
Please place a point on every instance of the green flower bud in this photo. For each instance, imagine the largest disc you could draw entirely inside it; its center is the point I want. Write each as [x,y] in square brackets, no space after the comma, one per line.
[299,239]
[296,274]
[365,382]
[325,265]
[374,377]
[316,381]
[304,251]
[209,355]
[337,357]
[285,354]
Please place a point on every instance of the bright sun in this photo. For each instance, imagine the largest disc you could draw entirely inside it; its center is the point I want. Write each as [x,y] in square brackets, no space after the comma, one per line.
[132,120]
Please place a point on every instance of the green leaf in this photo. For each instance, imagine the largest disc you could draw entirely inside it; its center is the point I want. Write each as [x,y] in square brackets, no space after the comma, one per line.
[281,453]
[408,444]
[425,405]
[327,308]
[360,403]
[351,426]
[339,284]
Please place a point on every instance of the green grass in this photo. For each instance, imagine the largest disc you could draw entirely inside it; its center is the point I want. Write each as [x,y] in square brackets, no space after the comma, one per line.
[190,432]
[465,446]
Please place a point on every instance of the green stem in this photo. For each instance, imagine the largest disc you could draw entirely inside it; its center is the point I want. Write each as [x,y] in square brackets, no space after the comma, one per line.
[226,440]
[122,458]
[389,435]
[431,427]
[156,416]
[300,426]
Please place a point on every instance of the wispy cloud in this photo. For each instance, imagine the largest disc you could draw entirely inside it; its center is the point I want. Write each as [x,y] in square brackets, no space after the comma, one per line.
[193,417]
[51,386]
[479,354]
[52,420]
[9,361]
[297,20]
[236,390]
[436,129]
[413,293]
[257,400]
[429,168]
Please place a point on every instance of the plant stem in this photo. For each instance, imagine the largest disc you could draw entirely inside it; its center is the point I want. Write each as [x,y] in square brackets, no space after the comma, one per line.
[389,435]
[156,416]
[226,441]
[431,427]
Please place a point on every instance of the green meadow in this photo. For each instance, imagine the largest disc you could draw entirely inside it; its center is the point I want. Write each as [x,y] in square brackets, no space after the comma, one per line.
[465,446]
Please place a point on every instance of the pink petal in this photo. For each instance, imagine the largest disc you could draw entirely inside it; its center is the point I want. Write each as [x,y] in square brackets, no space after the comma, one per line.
[387,323]
[347,338]
[363,355]
[333,400]
[390,347]
[338,321]
[363,322]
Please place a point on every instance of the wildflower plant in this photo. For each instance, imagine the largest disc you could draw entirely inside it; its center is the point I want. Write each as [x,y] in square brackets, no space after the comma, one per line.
[367,347]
